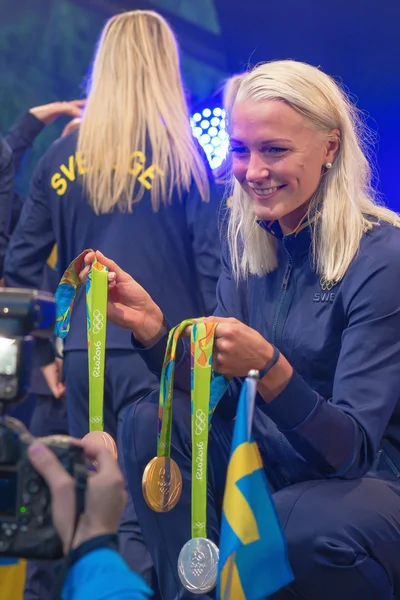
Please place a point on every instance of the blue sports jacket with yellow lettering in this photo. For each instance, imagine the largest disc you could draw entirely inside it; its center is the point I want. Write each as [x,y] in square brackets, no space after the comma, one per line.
[339,415]
[173,253]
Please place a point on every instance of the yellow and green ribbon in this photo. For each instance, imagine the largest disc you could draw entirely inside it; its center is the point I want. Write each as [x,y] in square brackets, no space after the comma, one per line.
[207,388]
[96,319]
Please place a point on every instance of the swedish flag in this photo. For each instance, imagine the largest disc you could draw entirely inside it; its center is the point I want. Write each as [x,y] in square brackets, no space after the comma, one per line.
[253,559]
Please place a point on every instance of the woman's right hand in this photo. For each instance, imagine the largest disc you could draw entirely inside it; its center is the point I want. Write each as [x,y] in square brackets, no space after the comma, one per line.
[129,305]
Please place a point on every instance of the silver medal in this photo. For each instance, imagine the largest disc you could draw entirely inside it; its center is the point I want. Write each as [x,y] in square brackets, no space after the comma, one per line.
[198,565]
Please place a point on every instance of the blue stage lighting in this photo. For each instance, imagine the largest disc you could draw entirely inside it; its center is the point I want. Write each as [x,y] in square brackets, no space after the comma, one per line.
[211,134]
[197,131]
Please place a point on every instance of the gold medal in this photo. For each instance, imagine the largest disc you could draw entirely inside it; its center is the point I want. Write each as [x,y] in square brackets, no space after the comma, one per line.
[162,484]
[101,438]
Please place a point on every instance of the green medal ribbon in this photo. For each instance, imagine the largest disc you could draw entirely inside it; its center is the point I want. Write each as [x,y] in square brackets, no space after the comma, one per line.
[201,342]
[96,315]
[198,559]
[207,387]
[96,319]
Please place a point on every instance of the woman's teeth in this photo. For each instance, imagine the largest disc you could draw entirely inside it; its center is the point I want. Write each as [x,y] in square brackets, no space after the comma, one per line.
[266,191]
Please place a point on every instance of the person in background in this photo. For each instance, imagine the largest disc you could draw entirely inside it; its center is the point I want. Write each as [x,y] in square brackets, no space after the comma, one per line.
[44,410]
[20,138]
[131,182]
[23,133]
[10,569]
[309,296]
[6,196]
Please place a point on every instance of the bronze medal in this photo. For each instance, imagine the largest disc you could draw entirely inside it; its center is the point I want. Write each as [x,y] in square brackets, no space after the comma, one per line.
[101,438]
[162,484]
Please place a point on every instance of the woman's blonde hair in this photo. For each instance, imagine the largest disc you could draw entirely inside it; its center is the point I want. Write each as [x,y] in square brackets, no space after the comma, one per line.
[223,173]
[346,204]
[136,105]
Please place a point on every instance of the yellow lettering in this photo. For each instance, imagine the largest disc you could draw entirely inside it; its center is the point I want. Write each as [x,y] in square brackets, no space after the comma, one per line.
[80,163]
[59,184]
[136,162]
[150,173]
[70,170]
[53,258]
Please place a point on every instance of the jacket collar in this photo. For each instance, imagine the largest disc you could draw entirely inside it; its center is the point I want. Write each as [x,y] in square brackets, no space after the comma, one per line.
[297,242]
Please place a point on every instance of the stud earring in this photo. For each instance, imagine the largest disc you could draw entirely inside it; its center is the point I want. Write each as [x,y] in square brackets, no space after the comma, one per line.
[328,165]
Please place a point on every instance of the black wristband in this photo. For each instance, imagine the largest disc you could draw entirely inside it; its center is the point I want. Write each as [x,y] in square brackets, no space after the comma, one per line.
[269,365]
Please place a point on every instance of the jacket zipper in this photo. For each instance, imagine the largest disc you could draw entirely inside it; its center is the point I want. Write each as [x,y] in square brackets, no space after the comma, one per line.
[281,299]
[284,286]
[390,464]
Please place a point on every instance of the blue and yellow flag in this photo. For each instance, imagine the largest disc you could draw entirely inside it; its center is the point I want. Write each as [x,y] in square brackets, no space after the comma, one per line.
[253,557]
[12,578]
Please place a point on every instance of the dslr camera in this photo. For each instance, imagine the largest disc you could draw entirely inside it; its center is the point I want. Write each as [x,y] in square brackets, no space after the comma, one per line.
[26,529]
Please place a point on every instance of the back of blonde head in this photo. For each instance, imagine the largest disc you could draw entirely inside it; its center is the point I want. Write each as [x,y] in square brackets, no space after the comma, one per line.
[223,173]
[344,199]
[136,106]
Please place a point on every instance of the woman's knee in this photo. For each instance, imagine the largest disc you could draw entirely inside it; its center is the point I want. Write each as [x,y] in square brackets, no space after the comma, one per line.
[321,524]
[327,525]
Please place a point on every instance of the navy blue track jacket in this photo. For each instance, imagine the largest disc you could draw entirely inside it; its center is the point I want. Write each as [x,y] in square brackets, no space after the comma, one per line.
[339,415]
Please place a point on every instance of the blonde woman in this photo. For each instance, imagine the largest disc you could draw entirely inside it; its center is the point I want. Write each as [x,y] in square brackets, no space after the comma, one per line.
[309,295]
[131,183]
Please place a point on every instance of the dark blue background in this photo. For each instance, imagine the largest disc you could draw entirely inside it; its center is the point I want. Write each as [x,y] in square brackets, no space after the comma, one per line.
[46,47]
[356,41]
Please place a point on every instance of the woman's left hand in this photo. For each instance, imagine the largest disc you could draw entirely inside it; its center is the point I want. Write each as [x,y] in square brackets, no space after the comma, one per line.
[47,113]
[237,347]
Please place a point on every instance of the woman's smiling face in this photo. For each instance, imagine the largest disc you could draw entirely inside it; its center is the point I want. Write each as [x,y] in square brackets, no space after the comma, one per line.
[277,159]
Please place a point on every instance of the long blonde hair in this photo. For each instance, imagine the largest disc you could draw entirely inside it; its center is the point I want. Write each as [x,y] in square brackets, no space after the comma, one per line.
[136,104]
[346,203]
[223,173]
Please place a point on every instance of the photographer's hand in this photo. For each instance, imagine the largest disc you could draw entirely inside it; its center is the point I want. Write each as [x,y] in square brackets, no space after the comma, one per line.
[105,495]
